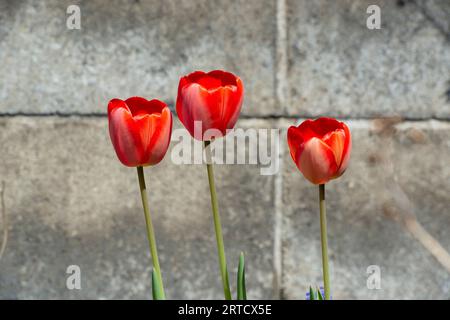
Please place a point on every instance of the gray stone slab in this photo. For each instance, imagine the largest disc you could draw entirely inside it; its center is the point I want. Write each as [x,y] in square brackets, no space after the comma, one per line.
[341,68]
[127,48]
[70,202]
[438,12]
[402,168]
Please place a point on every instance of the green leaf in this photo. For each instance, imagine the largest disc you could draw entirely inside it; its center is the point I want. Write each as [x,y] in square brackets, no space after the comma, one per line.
[319,294]
[312,295]
[241,291]
[157,290]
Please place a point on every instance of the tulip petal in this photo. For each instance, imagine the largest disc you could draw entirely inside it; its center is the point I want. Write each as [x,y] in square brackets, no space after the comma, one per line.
[295,141]
[319,128]
[147,127]
[213,98]
[160,138]
[317,161]
[324,125]
[125,138]
[209,82]
[137,106]
[307,129]
[336,141]
[141,106]
[116,103]
[212,80]
[346,151]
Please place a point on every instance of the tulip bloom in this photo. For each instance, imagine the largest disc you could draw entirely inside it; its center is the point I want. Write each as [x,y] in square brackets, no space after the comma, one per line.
[320,148]
[140,130]
[213,99]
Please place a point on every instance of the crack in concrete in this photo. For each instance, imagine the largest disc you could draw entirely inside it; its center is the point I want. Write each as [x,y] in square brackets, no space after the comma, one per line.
[273,116]
[4,220]
[368,118]
[282,98]
[424,11]
[278,226]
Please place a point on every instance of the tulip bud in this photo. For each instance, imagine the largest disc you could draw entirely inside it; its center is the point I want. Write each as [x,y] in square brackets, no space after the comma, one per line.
[320,148]
[140,130]
[213,99]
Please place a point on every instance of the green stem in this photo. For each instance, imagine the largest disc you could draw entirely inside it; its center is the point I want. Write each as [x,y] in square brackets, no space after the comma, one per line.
[323,235]
[218,227]
[149,224]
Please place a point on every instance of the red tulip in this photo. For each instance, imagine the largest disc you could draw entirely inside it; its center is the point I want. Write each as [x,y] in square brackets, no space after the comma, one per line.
[320,148]
[140,130]
[213,98]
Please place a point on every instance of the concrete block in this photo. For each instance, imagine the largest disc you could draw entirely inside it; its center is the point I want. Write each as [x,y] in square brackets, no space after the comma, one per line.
[69,201]
[132,48]
[338,67]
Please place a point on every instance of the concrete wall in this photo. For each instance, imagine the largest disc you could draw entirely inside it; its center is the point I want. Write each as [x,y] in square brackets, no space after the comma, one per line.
[67,199]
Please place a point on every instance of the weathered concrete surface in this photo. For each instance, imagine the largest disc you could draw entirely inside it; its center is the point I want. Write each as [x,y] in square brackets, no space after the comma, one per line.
[438,12]
[336,65]
[404,166]
[70,201]
[341,68]
[127,48]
